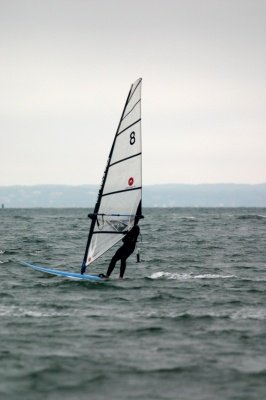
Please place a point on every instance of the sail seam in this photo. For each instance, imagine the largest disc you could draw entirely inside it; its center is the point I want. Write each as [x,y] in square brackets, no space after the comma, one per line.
[125,159]
[131,109]
[134,123]
[121,191]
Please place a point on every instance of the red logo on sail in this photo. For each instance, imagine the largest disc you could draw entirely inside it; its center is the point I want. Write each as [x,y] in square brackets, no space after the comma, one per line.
[130,181]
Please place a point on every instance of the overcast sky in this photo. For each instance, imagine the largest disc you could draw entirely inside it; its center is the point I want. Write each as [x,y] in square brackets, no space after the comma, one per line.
[66,67]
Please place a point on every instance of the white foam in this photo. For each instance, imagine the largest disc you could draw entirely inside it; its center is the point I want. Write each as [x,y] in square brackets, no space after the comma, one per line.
[182,277]
[213,276]
[168,275]
[15,311]
[250,313]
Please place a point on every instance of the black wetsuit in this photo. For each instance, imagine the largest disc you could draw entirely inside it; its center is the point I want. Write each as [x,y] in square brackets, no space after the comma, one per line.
[129,244]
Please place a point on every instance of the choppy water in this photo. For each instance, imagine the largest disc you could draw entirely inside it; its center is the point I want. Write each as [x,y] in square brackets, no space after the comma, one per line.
[189,322]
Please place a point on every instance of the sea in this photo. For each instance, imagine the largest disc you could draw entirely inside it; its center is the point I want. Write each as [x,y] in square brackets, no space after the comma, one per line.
[187,322]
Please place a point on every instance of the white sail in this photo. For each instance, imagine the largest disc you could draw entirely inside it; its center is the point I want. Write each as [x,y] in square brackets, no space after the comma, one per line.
[119,198]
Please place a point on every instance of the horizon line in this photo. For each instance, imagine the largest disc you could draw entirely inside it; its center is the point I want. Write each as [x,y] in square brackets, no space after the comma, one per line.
[148,184]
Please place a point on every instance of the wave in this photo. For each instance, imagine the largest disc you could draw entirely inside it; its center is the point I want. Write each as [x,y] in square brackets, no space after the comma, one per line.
[11,252]
[148,330]
[156,369]
[251,216]
[254,279]
[190,276]
[14,311]
[209,314]
[159,297]
[4,262]
[186,218]
[23,218]
[250,313]
[169,370]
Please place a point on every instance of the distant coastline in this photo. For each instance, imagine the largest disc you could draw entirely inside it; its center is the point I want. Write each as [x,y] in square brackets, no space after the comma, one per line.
[165,195]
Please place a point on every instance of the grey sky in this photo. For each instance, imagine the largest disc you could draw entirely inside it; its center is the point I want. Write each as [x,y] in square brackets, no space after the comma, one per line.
[66,67]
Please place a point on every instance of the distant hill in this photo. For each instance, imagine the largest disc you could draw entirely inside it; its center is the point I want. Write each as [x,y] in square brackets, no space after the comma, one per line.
[172,195]
[206,195]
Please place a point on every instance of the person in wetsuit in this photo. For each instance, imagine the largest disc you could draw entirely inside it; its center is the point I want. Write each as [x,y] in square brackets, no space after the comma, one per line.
[129,244]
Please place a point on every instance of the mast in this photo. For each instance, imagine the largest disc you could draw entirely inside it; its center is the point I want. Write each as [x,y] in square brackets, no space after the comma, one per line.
[99,198]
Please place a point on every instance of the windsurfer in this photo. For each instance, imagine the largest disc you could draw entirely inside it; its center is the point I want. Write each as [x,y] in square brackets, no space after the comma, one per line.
[129,244]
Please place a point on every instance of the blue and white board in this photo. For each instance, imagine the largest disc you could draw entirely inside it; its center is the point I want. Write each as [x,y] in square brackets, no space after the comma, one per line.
[71,275]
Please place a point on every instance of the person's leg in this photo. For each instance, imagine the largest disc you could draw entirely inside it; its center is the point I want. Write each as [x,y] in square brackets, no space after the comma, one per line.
[111,266]
[126,253]
[115,258]
[122,268]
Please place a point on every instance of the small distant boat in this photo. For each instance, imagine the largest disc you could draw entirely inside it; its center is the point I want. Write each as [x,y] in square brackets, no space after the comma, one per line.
[120,194]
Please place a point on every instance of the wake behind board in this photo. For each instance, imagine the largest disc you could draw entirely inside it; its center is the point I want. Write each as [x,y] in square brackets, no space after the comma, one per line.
[71,275]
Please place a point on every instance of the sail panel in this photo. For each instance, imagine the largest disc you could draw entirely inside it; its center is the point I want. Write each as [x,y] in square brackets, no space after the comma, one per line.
[100,243]
[124,176]
[133,108]
[109,228]
[134,96]
[128,143]
[130,118]
[123,203]
[136,84]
